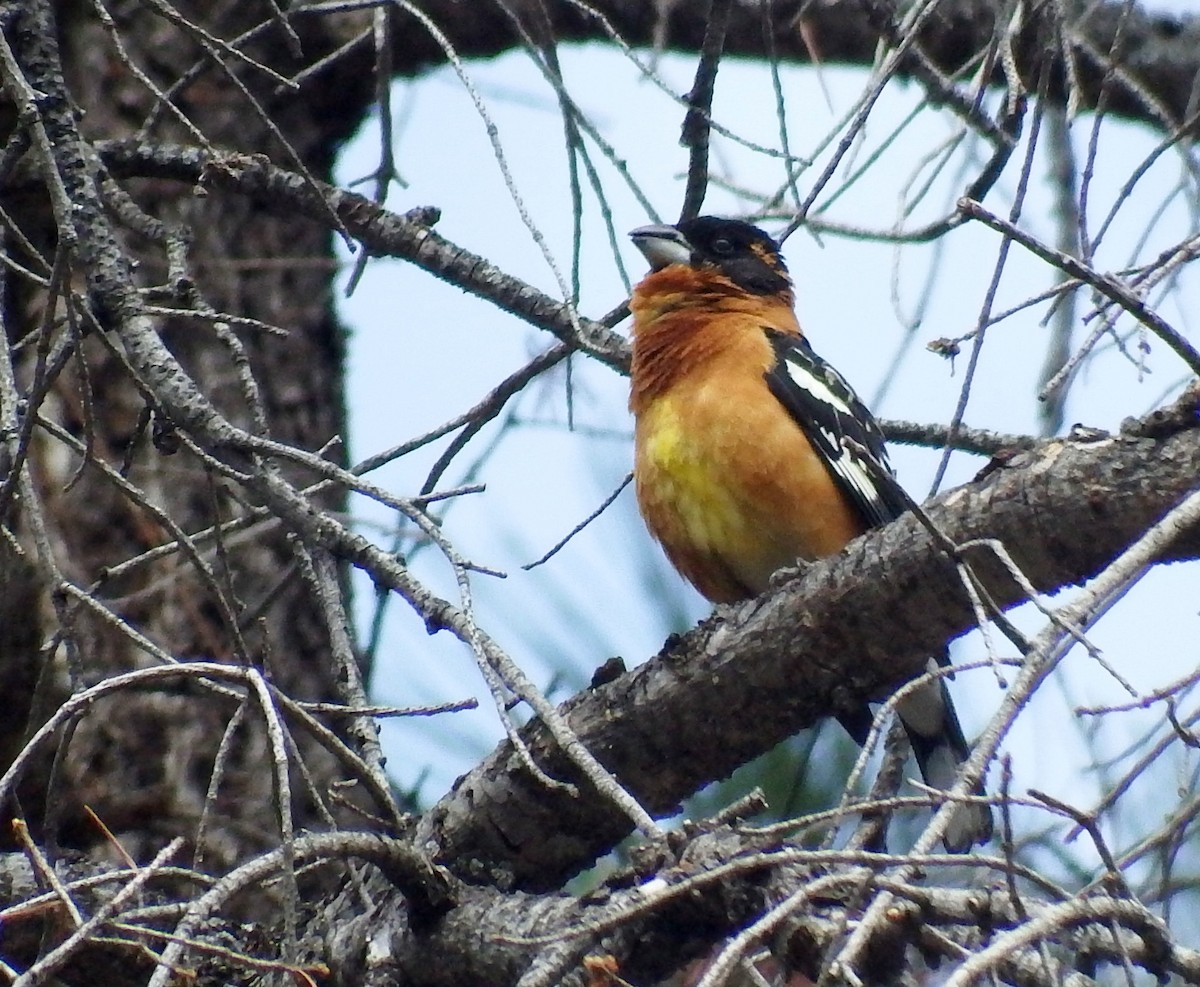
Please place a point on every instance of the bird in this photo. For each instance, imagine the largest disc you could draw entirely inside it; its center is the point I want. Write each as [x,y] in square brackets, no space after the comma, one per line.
[752,454]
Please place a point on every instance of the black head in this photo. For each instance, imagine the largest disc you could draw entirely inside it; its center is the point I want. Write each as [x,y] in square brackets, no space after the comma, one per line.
[743,253]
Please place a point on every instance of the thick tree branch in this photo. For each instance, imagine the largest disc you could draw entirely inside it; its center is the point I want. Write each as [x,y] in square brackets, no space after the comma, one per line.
[1157,52]
[714,882]
[850,627]
[664,925]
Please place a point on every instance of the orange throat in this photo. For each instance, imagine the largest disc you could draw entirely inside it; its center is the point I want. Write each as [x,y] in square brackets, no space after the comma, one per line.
[687,321]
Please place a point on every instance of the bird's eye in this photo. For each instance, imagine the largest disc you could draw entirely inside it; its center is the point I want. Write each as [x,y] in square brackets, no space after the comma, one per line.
[722,245]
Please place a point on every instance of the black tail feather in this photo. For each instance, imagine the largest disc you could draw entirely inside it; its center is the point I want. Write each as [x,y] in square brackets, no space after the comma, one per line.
[940,748]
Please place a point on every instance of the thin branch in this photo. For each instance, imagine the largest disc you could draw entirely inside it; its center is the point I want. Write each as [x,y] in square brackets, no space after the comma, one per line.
[1107,284]
[695,133]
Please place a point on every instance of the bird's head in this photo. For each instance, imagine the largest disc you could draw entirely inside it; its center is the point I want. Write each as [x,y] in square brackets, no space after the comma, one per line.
[742,253]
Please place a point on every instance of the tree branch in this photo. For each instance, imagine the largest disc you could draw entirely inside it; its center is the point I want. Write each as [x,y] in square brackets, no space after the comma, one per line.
[1158,52]
[409,236]
[744,680]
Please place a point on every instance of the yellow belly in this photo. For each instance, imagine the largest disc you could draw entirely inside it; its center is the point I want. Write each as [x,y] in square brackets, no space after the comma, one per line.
[731,488]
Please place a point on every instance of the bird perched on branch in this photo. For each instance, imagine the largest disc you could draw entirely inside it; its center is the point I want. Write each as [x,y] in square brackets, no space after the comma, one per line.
[752,453]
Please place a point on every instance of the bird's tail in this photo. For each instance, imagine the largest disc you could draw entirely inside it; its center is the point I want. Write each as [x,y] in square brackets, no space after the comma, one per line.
[940,748]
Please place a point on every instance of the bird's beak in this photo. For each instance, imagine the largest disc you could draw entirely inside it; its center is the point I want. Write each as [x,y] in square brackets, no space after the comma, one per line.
[662,245]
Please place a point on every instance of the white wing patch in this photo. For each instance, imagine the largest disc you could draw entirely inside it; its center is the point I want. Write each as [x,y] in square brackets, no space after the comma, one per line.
[822,386]
[849,465]
[839,425]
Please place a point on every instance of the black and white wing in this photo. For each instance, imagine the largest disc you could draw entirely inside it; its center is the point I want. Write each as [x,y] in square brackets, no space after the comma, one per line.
[838,425]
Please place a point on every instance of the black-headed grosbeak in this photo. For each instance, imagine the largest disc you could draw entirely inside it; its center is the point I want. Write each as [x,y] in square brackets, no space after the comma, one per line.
[752,453]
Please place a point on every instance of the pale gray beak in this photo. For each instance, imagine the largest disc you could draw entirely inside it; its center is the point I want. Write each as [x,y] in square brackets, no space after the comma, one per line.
[662,245]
